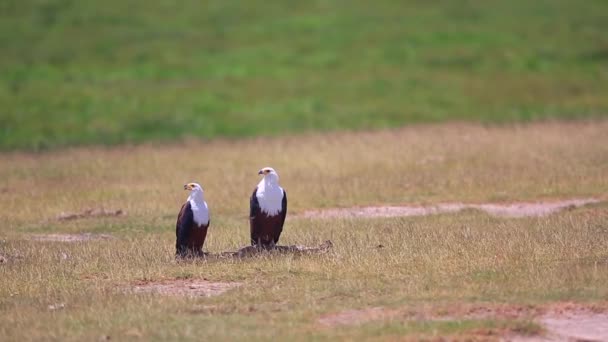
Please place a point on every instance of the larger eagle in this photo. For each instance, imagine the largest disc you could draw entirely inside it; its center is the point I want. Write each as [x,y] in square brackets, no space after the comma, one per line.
[268,208]
[192,223]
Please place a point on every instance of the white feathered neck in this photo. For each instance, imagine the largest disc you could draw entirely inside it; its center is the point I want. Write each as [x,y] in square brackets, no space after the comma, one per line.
[199,207]
[270,194]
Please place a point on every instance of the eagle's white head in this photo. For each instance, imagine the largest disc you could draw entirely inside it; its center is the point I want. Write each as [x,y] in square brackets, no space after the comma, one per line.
[269,192]
[270,175]
[196,191]
[199,207]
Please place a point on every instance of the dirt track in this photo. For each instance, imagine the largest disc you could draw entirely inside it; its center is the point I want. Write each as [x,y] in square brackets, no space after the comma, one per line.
[519,209]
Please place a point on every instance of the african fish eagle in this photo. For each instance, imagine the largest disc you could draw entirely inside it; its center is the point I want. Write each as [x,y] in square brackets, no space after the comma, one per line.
[268,208]
[192,223]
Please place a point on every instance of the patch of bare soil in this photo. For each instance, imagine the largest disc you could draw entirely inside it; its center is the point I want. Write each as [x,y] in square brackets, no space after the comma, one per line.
[88,213]
[571,322]
[561,321]
[71,237]
[183,287]
[580,327]
[519,209]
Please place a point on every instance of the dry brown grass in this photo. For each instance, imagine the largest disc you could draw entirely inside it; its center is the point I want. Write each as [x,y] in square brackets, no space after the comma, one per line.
[453,258]
[419,164]
[449,259]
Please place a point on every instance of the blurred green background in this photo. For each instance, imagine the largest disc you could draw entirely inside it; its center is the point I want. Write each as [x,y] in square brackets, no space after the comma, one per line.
[77,72]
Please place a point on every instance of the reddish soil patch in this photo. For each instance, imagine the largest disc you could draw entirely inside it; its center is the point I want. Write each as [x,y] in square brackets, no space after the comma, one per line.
[187,288]
[428,313]
[561,321]
[90,213]
[520,209]
[71,237]
[356,317]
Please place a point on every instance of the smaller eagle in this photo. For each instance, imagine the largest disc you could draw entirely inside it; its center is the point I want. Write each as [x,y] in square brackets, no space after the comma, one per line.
[268,208]
[192,223]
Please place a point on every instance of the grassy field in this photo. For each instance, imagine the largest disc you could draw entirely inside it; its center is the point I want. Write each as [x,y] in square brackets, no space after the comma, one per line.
[445,260]
[93,72]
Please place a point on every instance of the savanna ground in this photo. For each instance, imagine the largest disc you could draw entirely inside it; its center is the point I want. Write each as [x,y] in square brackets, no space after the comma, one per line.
[427,267]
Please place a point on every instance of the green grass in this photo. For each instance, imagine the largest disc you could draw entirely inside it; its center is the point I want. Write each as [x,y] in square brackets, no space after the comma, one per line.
[107,72]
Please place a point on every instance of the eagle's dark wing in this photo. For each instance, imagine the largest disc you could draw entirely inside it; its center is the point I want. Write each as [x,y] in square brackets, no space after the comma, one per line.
[254,212]
[183,228]
[254,205]
[283,214]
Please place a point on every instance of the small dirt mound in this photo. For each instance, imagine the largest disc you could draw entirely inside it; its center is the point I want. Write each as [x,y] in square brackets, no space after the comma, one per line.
[519,209]
[71,237]
[90,213]
[251,251]
[187,288]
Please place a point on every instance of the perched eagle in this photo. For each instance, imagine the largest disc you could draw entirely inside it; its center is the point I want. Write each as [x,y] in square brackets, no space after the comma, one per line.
[268,207]
[192,223]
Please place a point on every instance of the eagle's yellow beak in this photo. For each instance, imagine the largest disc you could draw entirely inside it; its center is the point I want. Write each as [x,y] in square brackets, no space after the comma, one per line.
[261,172]
[187,187]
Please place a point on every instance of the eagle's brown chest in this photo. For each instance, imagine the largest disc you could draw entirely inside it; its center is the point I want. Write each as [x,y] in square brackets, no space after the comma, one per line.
[266,229]
[197,236]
